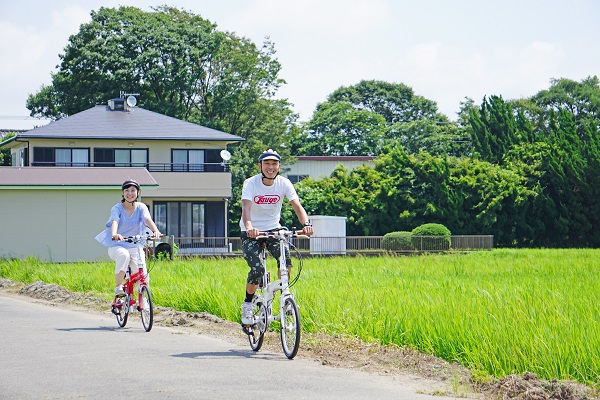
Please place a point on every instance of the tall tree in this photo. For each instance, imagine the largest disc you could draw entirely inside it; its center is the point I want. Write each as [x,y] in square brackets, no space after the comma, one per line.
[181,65]
[493,129]
[395,102]
[340,129]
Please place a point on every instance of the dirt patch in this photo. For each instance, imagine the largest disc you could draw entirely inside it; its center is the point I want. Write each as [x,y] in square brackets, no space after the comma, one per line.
[427,374]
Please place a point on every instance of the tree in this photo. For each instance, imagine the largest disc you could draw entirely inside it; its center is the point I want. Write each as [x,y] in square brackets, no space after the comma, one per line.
[361,119]
[493,129]
[181,65]
[340,129]
[582,99]
[5,158]
[395,102]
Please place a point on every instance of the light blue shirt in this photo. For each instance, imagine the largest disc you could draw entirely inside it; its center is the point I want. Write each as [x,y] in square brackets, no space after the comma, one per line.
[127,225]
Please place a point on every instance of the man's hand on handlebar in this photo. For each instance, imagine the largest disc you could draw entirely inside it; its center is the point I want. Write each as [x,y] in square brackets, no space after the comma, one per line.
[308,230]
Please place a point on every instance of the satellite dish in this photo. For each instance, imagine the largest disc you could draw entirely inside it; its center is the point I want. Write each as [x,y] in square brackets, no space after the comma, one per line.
[225,155]
[131,101]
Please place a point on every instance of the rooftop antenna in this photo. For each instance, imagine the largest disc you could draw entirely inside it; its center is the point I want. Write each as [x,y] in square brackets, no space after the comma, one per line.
[130,98]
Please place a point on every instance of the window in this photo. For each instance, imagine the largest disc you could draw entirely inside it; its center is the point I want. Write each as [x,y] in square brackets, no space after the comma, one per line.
[296,178]
[60,157]
[106,157]
[20,158]
[180,218]
[188,160]
[208,160]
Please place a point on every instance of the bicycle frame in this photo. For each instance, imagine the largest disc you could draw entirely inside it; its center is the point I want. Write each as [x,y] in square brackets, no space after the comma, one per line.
[270,288]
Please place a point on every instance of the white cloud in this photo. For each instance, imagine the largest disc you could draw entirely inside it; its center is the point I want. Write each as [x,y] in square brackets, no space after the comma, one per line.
[442,51]
[32,55]
[309,17]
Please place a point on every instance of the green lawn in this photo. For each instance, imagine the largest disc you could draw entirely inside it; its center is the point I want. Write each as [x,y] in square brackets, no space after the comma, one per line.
[498,312]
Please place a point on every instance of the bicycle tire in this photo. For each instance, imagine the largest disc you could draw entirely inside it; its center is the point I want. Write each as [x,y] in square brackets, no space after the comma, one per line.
[290,328]
[256,333]
[146,308]
[121,310]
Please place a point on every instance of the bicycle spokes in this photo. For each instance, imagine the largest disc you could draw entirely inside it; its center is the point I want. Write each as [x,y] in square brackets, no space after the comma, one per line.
[120,308]
[290,328]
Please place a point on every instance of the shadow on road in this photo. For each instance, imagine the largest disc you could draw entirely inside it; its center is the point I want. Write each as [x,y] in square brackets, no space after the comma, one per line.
[231,353]
[97,328]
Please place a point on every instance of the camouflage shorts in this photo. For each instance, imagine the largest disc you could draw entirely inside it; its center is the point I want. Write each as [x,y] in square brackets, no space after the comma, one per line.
[251,251]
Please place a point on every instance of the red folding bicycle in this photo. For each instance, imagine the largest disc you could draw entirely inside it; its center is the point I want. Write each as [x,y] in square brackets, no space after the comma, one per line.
[137,292]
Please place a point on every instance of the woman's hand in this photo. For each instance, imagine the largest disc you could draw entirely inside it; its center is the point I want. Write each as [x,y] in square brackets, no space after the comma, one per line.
[252,233]
[117,237]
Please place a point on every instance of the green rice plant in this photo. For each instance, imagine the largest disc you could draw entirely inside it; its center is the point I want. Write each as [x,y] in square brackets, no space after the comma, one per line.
[499,312]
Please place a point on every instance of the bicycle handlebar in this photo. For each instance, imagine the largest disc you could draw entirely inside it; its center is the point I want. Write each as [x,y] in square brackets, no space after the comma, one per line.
[138,238]
[279,233]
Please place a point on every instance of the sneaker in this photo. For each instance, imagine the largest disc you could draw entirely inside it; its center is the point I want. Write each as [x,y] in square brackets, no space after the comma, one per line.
[247,313]
[119,291]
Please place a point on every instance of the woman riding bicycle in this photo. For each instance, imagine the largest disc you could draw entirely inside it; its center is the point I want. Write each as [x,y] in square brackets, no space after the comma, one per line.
[262,199]
[127,218]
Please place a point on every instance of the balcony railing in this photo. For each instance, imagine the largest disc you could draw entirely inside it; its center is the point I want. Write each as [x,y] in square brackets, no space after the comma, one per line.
[348,245]
[151,167]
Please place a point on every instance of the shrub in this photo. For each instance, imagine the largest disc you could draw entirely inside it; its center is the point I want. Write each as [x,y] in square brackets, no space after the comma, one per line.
[397,241]
[431,237]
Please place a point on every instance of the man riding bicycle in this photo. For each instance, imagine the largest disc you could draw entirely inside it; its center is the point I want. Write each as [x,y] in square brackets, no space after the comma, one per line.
[262,199]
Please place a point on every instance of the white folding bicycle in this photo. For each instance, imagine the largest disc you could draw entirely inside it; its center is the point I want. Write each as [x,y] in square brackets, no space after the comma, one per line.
[288,314]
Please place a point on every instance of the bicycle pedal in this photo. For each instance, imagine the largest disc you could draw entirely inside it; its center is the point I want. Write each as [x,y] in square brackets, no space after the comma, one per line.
[247,330]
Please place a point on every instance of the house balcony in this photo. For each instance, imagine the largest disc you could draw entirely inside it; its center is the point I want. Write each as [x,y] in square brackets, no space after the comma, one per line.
[151,167]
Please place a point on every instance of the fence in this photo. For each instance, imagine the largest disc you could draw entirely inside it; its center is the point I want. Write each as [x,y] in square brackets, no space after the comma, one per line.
[349,245]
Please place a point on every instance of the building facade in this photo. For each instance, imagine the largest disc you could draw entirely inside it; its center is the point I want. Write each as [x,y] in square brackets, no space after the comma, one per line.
[186,182]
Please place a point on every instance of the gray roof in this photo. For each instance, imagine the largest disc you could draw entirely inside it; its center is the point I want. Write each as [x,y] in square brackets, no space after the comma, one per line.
[13,177]
[100,122]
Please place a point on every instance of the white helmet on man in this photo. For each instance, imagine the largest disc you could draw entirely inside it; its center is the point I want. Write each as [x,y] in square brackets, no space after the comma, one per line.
[269,155]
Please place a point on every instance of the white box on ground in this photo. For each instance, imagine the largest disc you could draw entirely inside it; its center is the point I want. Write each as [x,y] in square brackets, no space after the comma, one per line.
[329,236]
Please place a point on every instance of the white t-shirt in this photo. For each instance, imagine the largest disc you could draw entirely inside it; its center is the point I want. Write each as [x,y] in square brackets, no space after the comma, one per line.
[266,201]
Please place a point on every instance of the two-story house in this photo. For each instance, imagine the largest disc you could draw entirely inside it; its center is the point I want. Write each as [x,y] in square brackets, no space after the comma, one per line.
[66,175]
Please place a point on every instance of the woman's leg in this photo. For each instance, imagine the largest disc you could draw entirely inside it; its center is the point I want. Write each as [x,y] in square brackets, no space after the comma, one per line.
[121,257]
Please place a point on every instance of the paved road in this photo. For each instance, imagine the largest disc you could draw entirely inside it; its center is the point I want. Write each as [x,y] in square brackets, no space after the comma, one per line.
[49,352]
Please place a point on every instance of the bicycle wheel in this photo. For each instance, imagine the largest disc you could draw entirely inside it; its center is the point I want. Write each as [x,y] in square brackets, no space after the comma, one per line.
[256,333]
[146,308]
[120,308]
[290,328]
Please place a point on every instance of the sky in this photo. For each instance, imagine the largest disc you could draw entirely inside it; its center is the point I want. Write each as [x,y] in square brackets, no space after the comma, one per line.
[444,50]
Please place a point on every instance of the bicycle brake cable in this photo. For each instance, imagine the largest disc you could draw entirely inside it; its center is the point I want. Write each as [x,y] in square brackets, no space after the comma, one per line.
[295,279]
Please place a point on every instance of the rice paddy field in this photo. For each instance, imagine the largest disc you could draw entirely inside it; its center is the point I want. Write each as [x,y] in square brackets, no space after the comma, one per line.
[495,312]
